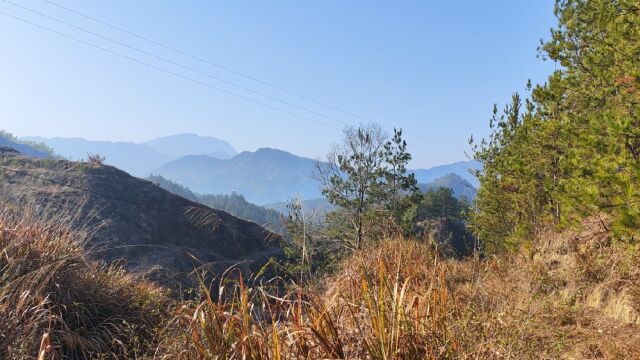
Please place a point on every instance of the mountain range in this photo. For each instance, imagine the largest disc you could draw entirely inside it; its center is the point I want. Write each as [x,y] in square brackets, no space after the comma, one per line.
[263,176]
[139,159]
[463,169]
[461,187]
[269,176]
[208,165]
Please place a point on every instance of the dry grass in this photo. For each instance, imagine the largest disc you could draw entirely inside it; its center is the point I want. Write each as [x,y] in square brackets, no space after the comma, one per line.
[370,311]
[56,304]
[571,295]
[400,300]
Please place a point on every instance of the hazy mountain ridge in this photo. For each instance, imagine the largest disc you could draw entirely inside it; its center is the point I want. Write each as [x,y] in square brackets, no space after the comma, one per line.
[138,158]
[131,157]
[180,145]
[455,182]
[272,176]
[264,176]
[206,166]
[460,168]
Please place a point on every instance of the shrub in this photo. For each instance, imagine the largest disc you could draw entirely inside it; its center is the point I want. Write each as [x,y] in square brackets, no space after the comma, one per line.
[96,159]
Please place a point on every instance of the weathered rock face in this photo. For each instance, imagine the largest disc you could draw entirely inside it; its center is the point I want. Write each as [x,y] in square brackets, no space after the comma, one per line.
[152,230]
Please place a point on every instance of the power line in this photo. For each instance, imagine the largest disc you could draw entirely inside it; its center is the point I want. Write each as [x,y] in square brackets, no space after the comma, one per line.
[188,68]
[202,73]
[224,68]
[158,68]
[203,60]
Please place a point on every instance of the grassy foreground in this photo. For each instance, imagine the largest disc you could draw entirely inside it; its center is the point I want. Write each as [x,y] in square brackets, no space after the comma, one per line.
[572,295]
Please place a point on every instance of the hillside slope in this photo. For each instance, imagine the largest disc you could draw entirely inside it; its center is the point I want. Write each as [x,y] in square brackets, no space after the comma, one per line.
[132,219]
[235,204]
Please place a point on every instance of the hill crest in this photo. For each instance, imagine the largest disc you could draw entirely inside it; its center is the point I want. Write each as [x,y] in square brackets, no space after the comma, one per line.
[134,219]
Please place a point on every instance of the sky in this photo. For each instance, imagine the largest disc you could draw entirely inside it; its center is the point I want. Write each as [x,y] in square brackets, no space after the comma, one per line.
[299,70]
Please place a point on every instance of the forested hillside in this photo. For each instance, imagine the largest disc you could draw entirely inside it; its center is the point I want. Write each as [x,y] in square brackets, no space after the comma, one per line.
[29,148]
[569,148]
[235,204]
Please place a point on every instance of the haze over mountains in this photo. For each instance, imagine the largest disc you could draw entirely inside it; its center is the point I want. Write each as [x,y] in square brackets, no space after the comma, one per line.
[460,186]
[191,144]
[264,176]
[139,159]
[25,149]
[461,168]
[208,165]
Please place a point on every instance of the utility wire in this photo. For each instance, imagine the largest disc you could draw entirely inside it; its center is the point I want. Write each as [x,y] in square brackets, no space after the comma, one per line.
[169,71]
[144,63]
[193,70]
[186,67]
[189,68]
[224,68]
[203,60]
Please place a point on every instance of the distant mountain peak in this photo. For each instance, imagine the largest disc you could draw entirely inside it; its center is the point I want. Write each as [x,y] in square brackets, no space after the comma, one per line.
[460,186]
[263,176]
[183,144]
[461,168]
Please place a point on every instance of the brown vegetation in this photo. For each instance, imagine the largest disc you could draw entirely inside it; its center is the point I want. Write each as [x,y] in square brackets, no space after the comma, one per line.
[55,304]
[570,295]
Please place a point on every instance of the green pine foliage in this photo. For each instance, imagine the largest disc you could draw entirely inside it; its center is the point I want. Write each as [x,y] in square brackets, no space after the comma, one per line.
[572,148]
[236,205]
[442,204]
[366,178]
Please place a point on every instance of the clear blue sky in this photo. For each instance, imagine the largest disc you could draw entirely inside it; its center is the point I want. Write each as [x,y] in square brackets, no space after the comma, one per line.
[433,68]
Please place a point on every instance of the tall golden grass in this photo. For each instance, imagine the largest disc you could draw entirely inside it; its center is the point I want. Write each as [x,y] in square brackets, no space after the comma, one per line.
[397,299]
[383,305]
[55,304]
[400,299]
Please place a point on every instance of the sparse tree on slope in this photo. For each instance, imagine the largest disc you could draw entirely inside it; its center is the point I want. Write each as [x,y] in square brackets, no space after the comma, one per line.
[366,177]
